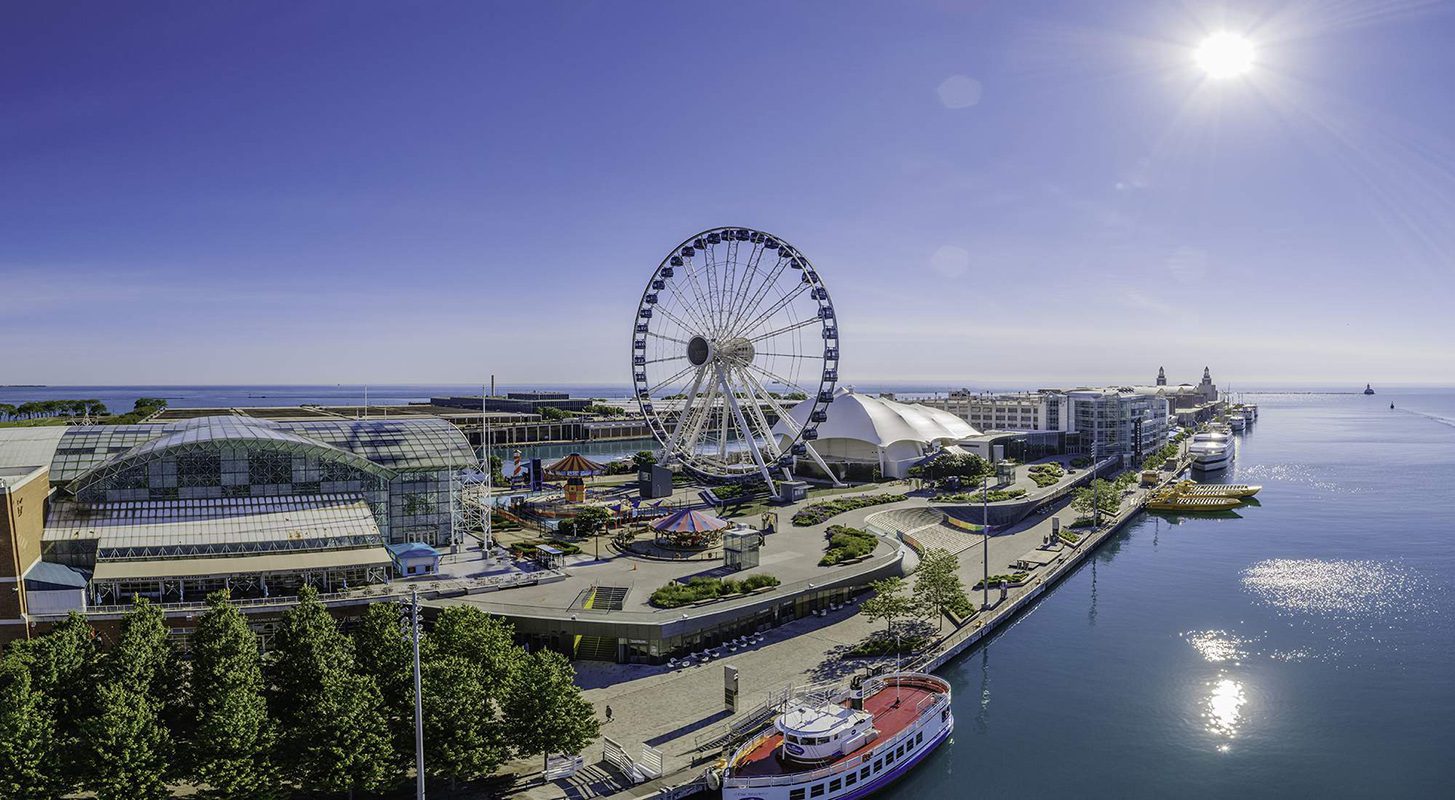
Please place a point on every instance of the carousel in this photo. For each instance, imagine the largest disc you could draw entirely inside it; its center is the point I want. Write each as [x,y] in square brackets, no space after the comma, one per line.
[689,529]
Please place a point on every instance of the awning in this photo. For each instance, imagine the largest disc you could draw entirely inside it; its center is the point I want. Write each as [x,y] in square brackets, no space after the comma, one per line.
[689,521]
[575,466]
[279,563]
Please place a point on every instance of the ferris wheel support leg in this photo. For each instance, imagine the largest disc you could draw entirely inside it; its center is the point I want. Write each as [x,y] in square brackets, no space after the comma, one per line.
[818,459]
[732,401]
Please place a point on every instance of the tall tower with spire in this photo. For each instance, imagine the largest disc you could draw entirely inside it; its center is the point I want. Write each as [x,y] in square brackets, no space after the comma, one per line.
[1161,376]
[1207,389]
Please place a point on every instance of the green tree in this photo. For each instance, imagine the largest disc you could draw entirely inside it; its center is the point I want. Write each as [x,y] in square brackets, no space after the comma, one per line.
[544,710]
[231,735]
[331,725]
[382,653]
[145,660]
[643,459]
[590,519]
[65,669]
[28,765]
[551,413]
[469,662]
[889,603]
[1101,493]
[463,737]
[129,749]
[937,583]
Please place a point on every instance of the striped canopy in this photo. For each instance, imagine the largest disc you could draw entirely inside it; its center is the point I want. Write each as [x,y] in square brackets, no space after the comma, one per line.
[575,466]
[690,521]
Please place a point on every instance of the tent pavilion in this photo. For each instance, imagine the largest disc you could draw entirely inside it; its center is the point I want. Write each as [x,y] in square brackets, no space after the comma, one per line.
[573,468]
[876,431]
[689,528]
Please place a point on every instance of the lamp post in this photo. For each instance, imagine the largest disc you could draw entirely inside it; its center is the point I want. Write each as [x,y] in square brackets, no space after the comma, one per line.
[1095,495]
[985,538]
[413,621]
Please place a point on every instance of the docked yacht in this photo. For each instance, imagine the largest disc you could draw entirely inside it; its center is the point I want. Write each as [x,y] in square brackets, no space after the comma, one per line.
[1237,422]
[846,744]
[1211,450]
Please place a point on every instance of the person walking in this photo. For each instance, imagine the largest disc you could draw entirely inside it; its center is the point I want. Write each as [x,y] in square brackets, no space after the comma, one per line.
[608,713]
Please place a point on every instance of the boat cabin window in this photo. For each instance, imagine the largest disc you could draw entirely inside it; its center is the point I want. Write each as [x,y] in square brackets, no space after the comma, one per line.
[836,784]
[864,773]
[817,790]
[790,738]
[919,737]
[878,765]
[796,794]
[853,778]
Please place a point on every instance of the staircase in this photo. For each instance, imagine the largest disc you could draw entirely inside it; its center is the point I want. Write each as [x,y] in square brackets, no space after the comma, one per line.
[596,648]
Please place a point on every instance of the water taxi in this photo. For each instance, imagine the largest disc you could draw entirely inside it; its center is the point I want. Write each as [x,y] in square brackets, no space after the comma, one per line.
[1172,501]
[846,744]
[1195,489]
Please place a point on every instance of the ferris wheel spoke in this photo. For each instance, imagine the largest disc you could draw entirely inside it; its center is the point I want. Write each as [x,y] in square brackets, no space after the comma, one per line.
[777,306]
[689,309]
[652,391]
[755,407]
[682,342]
[776,378]
[818,357]
[675,318]
[785,329]
[665,359]
[703,303]
[773,401]
[750,308]
[750,268]
[742,425]
[686,408]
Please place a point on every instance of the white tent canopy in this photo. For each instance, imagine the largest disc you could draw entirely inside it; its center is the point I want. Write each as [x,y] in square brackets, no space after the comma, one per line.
[867,429]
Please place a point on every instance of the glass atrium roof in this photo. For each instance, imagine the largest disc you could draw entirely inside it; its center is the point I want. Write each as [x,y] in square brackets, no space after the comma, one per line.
[398,444]
[180,528]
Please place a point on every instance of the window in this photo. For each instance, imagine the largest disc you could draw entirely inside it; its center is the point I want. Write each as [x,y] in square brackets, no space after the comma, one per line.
[878,765]
[836,784]
[853,778]
[919,737]
[888,759]
[864,773]
[817,790]
[796,794]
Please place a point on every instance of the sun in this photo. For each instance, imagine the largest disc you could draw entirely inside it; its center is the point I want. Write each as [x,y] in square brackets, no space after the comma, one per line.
[1224,55]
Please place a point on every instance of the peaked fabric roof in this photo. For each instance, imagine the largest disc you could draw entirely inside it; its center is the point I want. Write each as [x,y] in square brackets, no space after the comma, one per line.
[690,520]
[575,466]
[881,421]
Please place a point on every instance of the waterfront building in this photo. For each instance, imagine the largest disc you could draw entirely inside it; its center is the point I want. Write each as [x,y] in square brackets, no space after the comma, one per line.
[1120,420]
[863,432]
[519,402]
[172,511]
[1045,410]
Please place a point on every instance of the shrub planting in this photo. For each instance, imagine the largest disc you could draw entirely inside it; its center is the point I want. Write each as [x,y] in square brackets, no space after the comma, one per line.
[846,544]
[822,512]
[701,588]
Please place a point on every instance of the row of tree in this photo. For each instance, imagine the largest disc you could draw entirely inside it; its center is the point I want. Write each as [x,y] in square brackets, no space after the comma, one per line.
[964,466]
[937,589]
[320,712]
[42,409]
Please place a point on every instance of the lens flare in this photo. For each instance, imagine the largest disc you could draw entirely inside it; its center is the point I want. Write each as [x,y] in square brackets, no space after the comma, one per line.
[1224,55]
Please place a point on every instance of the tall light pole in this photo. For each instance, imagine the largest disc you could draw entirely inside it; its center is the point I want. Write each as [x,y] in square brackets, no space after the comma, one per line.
[414,622]
[985,538]
[1095,495]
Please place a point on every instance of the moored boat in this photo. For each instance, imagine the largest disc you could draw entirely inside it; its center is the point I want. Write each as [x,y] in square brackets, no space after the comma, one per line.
[847,744]
[1195,489]
[1211,450]
[1172,501]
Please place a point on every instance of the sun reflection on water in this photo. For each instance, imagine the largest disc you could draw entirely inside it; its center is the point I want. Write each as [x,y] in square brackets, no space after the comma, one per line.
[1223,709]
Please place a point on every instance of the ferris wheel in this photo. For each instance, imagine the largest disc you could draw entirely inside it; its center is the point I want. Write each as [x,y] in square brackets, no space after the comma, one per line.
[735,328]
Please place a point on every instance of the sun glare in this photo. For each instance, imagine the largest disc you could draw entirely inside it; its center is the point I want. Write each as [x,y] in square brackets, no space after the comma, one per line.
[1224,55]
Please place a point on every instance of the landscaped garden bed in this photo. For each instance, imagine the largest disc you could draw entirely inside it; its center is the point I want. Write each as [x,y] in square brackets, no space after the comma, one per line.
[1046,474]
[997,496]
[822,512]
[846,544]
[676,594]
[1069,538]
[528,549]
[1013,579]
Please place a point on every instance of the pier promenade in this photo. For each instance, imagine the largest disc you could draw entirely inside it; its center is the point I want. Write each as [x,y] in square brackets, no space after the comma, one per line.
[679,711]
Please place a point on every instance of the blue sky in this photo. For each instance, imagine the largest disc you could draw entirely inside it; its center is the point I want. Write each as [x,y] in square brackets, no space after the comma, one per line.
[995,193]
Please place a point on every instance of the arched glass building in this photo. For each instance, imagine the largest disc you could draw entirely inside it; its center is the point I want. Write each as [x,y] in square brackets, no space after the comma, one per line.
[175,510]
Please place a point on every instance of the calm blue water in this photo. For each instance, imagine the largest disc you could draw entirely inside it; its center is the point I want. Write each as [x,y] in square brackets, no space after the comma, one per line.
[1304,649]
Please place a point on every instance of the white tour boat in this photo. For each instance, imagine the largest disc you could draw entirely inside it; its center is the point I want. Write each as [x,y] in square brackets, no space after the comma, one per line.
[1211,450]
[847,744]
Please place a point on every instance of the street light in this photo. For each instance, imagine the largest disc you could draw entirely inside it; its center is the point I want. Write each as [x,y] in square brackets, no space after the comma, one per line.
[985,537]
[413,621]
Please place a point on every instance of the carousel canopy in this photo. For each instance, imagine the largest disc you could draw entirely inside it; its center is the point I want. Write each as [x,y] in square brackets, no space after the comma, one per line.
[575,466]
[690,521]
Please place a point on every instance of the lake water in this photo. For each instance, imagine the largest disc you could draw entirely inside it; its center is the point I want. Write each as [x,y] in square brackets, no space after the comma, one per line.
[1303,649]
